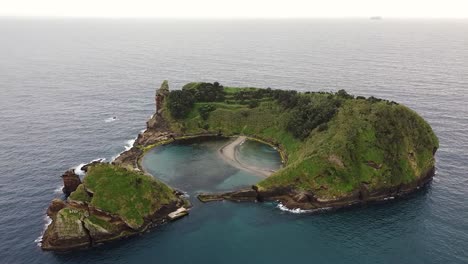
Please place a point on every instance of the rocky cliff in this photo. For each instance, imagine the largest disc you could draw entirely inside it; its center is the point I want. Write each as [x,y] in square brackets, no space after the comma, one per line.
[112,203]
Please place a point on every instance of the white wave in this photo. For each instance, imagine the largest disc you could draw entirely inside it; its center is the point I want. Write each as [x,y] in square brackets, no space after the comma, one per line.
[80,172]
[282,207]
[58,189]
[110,119]
[48,221]
[129,144]
[390,198]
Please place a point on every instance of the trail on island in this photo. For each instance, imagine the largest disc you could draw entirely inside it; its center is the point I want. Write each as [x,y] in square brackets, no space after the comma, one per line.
[230,152]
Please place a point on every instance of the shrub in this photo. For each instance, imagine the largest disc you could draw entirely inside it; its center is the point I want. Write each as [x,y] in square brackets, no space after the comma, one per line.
[179,103]
[343,94]
[206,92]
[253,103]
[205,110]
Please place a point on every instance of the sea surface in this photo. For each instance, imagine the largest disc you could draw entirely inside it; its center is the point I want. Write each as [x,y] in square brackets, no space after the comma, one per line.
[63,80]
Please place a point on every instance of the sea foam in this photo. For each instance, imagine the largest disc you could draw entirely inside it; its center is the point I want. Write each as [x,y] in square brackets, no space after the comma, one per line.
[110,119]
[48,221]
[128,145]
[78,169]
[282,207]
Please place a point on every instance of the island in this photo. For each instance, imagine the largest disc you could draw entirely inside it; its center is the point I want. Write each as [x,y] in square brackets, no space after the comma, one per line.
[338,150]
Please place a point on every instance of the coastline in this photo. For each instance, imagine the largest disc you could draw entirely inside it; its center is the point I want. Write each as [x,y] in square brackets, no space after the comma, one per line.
[158,134]
[160,131]
[230,152]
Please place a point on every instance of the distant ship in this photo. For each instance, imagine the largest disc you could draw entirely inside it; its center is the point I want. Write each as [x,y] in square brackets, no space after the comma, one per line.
[376,18]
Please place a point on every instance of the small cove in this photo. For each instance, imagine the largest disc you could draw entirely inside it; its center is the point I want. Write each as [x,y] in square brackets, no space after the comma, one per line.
[195,166]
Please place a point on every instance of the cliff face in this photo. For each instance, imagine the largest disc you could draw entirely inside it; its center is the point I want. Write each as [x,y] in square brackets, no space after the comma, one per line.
[70,182]
[110,204]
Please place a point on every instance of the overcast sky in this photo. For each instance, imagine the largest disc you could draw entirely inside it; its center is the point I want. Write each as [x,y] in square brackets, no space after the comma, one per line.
[236,8]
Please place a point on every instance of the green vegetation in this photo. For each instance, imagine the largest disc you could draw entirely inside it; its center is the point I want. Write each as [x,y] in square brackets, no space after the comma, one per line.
[205,110]
[80,195]
[129,194]
[180,103]
[334,141]
[205,92]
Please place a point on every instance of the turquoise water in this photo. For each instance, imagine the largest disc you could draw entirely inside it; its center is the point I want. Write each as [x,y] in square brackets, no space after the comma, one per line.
[195,165]
[257,154]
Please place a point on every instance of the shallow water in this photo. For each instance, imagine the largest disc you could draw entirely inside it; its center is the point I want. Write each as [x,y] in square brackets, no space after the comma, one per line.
[259,155]
[60,80]
[195,166]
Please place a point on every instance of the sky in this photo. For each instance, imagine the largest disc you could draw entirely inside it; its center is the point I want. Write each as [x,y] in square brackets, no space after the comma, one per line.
[236,8]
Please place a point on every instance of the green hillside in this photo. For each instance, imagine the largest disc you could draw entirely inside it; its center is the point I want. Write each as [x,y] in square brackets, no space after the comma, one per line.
[333,141]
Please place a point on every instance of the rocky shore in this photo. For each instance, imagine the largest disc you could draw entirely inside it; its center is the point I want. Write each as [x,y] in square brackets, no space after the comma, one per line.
[78,223]
[294,199]
[310,182]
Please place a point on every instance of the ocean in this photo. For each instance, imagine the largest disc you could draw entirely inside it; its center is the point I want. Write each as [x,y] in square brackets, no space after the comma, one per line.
[63,80]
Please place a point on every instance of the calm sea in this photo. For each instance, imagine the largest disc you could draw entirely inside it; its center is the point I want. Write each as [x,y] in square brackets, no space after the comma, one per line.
[61,81]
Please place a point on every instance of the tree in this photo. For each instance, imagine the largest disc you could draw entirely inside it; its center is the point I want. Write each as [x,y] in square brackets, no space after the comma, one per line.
[343,94]
[205,111]
[179,103]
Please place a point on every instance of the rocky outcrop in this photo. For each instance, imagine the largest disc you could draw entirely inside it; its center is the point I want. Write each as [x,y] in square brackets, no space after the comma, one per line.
[293,199]
[94,162]
[129,158]
[81,225]
[66,231]
[70,182]
[55,206]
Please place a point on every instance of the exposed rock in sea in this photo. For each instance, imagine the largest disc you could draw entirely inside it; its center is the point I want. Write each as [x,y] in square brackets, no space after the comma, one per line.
[70,182]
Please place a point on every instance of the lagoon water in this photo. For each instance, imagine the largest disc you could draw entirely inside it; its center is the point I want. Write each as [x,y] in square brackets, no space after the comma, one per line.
[62,81]
[195,166]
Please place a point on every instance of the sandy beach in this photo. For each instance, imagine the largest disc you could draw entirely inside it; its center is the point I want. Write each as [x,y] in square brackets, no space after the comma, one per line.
[229,153]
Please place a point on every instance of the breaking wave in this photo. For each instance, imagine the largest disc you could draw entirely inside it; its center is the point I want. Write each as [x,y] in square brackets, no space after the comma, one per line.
[58,189]
[78,169]
[48,221]
[282,207]
[110,119]
[128,145]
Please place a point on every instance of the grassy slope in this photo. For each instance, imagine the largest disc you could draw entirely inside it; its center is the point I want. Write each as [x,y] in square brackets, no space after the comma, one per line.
[332,162]
[130,194]
[80,195]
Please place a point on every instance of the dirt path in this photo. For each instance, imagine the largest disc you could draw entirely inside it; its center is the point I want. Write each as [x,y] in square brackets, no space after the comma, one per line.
[229,153]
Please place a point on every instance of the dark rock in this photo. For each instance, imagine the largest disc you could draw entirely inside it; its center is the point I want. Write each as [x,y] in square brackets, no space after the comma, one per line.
[55,206]
[70,182]
[85,167]
[363,192]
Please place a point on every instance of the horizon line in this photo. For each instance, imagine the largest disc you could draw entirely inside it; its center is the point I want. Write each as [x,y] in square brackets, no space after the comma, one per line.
[225,17]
